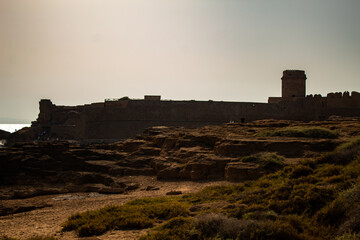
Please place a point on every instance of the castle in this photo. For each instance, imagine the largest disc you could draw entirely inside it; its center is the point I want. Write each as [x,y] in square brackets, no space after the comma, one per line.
[123,118]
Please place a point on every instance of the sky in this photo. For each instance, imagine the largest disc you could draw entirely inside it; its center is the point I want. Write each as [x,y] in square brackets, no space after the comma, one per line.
[77,52]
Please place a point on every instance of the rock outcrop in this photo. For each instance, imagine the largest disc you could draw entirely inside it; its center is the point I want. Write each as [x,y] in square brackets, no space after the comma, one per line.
[212,152]
[4,134]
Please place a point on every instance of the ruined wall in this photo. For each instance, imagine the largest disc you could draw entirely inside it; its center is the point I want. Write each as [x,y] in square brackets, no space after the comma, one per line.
[126,118]
[111,121]
[123,118]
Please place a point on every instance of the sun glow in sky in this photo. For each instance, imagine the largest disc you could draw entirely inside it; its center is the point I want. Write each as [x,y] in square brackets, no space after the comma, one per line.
[82,51]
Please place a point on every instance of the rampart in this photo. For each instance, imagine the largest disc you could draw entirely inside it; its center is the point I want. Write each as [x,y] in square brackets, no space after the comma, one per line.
[122,118]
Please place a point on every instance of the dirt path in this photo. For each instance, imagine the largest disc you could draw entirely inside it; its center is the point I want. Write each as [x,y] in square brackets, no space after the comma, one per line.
[48,220]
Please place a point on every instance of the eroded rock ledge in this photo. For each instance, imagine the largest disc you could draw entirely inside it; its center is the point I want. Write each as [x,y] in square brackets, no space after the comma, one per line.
[212,152]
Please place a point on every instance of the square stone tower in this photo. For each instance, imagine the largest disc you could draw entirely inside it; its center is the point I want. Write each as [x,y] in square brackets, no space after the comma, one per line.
[293,83]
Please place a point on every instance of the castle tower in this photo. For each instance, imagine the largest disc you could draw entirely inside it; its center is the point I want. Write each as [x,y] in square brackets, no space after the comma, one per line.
[293,83]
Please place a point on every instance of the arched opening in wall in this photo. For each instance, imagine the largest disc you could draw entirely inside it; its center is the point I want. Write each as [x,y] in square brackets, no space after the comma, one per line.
[242,120]
[293,95]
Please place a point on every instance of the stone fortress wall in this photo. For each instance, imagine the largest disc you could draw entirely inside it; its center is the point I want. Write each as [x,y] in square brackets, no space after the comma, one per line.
[122,118]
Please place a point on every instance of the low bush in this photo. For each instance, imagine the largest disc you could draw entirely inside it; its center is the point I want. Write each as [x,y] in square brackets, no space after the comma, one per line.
[211,225]
[229,193]
[176,229]
[343,154]
[272,230]
[268,161]
[348,236]
[137,214]
[334,213]
[328,170]
[305,132]
[352,170]
[300,171]
[352,221]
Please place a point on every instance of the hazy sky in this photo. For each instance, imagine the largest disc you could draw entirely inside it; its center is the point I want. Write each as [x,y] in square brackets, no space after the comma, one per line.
[82,51]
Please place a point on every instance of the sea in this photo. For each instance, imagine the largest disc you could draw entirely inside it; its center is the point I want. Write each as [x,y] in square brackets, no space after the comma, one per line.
[13,127]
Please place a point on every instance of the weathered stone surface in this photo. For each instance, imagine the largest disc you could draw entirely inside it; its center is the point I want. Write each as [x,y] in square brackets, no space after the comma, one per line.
[45,167]
[131,145]
[171,172]
[240,171]
[285,147]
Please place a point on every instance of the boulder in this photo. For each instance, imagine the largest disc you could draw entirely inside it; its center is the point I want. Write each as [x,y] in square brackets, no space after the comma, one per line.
[174,192]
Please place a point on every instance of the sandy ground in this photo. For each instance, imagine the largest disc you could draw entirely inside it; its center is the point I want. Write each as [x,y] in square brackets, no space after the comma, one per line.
[48,220]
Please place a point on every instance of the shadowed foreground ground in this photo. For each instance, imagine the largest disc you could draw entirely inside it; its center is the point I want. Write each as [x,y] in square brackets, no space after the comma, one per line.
[288,180]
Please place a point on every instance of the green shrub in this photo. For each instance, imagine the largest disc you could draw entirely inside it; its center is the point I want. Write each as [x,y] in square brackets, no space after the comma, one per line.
[271,161]
[91,229]
[217,225]
[267,160]
[343,154]
[165,211]
[300,170]
[261,230]
[176,229]
[334,214]
[261,215]
[352,170]
[348,236]
[215,193]
[305,132]
[352,221]
[328,170]
[137,214]
[318,196]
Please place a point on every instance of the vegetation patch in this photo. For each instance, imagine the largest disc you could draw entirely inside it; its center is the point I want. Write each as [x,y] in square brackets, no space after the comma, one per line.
[315,199]
[137,214]
[305,132]
[343,154]
[268,161]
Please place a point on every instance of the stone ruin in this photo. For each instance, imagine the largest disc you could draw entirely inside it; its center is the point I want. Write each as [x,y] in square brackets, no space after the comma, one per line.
[116,119]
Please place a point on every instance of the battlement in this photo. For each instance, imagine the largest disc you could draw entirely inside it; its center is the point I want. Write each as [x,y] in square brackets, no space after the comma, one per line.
[293,71]
[152,98]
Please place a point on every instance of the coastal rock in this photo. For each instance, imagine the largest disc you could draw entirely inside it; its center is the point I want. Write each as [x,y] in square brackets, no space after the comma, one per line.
[4,134]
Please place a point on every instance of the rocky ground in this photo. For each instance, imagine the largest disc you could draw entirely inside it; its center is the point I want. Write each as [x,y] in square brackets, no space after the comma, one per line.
[42,183]
[43,215]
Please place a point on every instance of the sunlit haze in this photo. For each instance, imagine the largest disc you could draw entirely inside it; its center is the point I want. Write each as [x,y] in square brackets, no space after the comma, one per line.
[82,51]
